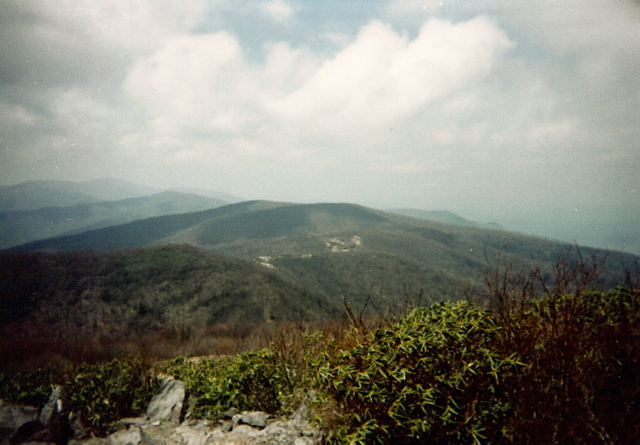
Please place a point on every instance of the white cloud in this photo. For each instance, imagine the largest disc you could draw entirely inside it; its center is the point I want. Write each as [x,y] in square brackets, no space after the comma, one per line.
[602,36]
[286,69]
[193,81]
[132,25]
[12,116]
[278,10]
[383,76]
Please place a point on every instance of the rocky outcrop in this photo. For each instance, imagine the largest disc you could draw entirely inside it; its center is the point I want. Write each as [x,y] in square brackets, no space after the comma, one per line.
[14,417]
[168,403]
[162,425]
[276,432]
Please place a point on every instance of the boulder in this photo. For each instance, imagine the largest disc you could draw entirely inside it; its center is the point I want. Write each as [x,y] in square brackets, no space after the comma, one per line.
[12,417]
[53,408]
[130,436]
[255,419]
[168,403]
[26,424]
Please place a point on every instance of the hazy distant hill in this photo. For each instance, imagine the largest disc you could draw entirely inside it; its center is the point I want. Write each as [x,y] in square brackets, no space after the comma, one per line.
[231,199]
[38,194]
[338,248]
[110,189]
[19,227]
[443,216]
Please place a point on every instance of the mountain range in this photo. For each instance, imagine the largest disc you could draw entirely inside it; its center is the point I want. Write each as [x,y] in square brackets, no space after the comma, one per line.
[331,248]
[253,261]
[42,209]
[22,226]
[33,195]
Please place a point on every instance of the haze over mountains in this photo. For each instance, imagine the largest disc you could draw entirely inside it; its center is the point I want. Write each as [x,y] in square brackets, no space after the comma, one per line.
[42,209]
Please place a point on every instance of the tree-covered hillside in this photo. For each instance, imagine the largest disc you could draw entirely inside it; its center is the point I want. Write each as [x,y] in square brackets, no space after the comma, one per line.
[328,250]
[123,291]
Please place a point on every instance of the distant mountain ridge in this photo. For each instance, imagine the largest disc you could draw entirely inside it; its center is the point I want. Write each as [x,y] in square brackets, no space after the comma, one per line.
[39,194]
[231,199]
[443,216]
[33,195]
[20,227]
[245,220]
[333,248]
[258,261]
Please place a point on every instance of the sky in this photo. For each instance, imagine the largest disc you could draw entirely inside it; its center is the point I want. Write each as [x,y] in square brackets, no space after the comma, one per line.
[522,113]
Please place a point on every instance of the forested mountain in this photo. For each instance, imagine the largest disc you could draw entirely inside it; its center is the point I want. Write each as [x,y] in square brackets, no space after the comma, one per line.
[328,250]
[123,291]
[20,227]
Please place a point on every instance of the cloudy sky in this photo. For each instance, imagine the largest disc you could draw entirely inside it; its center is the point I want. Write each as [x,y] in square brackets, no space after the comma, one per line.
[524,114]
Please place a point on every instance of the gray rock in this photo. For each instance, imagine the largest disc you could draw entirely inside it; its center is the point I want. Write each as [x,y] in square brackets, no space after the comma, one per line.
[256,419]
[51,425]
[25,433]
[228,414]
[92,441]
[226,425]
[78,428]
[159,427]
[14,416]
[131,436]
[53,408]
[241,430]
[204,433]
[167,404]
[192,436]
[301,415]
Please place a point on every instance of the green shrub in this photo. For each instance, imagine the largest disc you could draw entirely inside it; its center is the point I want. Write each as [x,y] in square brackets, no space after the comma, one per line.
[106,392]
[101,393]
[561,369]
[249,381]
[27,388]
[582,384]
[434,376]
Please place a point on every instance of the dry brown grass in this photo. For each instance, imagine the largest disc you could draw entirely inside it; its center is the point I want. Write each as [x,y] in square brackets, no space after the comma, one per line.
[30,347]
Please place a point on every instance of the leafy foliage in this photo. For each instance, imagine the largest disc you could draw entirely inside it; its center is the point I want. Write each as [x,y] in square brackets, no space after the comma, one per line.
[248,381]
[544,359]
[583,375]
[436,375]
[101,393]
[28,388]
[106,392]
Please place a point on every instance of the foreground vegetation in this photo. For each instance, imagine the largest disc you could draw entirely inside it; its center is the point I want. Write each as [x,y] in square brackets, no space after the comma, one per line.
[564,368]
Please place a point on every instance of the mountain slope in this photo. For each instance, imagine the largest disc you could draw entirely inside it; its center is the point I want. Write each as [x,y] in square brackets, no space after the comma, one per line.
[120,291]
[38,194]
[283,221]
[144,232]
[221,196]
[333,249]
[111,189]
[24,226]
